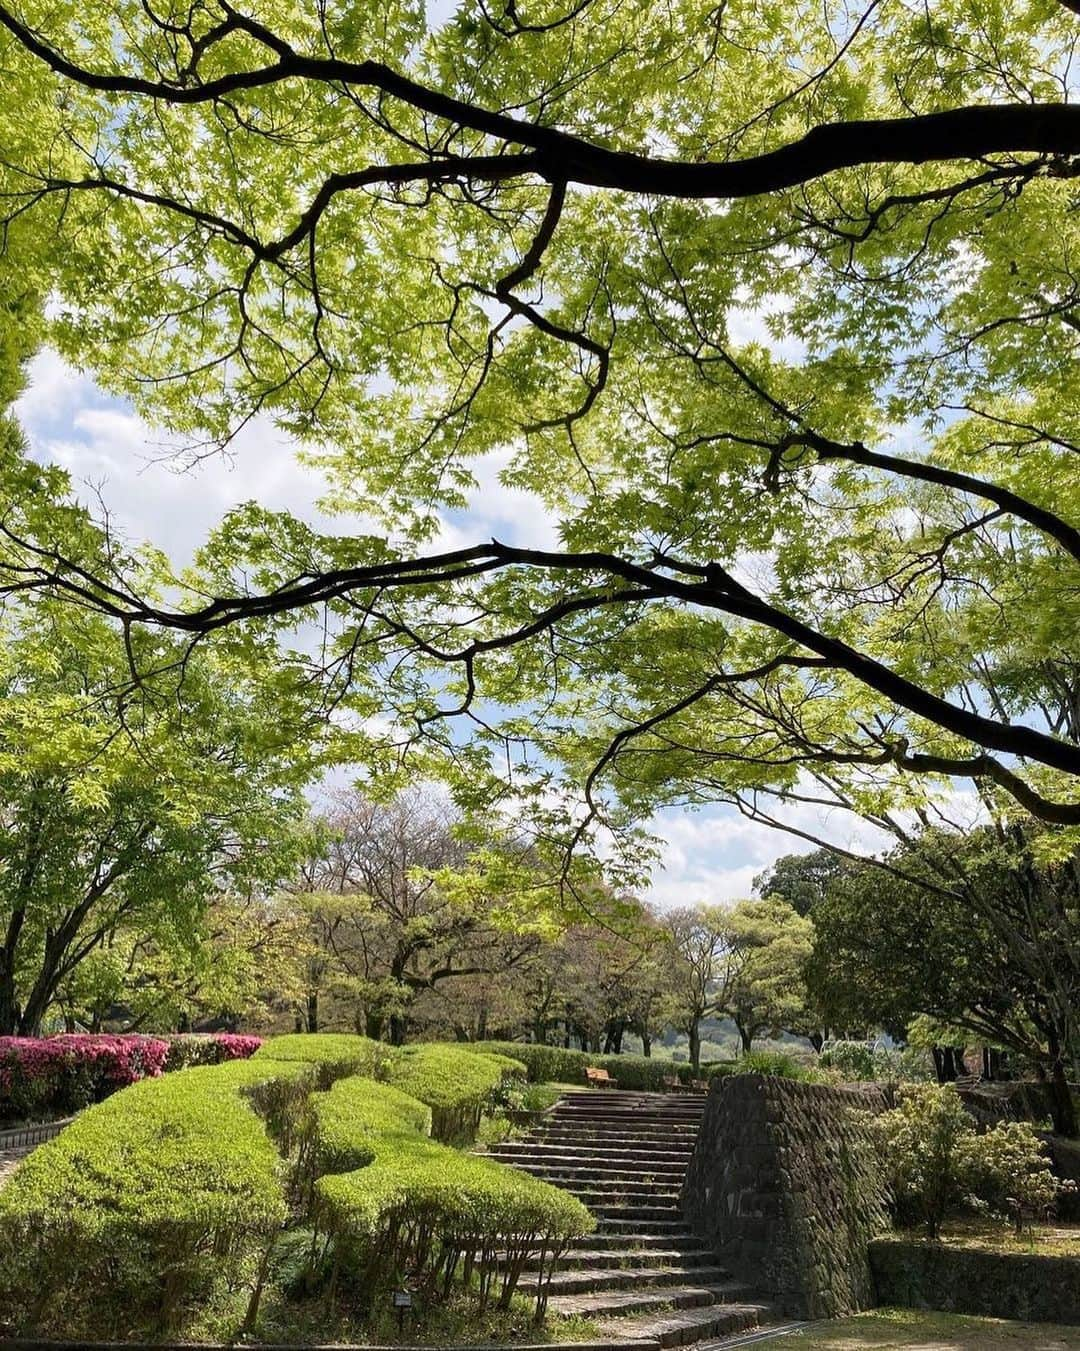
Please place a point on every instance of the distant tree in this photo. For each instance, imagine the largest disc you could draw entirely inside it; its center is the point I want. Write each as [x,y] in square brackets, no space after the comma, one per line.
[771,943]
[402,900]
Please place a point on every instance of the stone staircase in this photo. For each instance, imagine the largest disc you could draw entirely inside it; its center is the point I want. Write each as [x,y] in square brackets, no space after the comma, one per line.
[642,1274]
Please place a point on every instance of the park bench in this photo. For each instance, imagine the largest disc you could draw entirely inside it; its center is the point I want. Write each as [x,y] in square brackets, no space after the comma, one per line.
[598,1078]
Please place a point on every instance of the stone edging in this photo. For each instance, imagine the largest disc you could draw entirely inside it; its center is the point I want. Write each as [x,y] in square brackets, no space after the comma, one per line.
[19,1137]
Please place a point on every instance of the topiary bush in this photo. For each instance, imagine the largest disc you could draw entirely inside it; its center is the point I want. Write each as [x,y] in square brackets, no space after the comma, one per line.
[457,1084]
[557,1064]
[403,1203]
[161,1198]
[42,1078]
[334,1053]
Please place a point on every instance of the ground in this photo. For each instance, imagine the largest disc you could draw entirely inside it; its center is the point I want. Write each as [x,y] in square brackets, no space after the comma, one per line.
[1047,1240]
[908,1330]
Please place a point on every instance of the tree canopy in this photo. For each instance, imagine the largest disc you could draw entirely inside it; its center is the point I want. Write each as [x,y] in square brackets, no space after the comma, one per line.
[772,307]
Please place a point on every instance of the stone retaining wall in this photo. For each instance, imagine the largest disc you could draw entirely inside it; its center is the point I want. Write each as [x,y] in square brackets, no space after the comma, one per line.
[785,1183]
[925,1275]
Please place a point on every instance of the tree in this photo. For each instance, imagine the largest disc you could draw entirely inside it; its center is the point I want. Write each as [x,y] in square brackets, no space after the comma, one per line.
[767,992]
[802,880]
[688,269]
[707,964]
[402,901]
[128,806]
[979,933]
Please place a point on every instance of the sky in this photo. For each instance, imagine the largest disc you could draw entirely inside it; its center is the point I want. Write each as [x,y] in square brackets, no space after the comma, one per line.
[711,854]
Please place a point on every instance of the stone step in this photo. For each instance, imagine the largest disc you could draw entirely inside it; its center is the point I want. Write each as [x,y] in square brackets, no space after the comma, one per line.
[591,1114]
[665,1107]
[635,1211]
[629,1137]
[604,1198]
[598,1160]
[627,1224]
[630,1259]
[617,1303]
[681,1327]
[603,1189]
[599,1280]
[597,1179]
[681,1239]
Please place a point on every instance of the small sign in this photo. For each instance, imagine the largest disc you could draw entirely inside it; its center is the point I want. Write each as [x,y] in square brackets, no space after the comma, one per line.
[402,1299]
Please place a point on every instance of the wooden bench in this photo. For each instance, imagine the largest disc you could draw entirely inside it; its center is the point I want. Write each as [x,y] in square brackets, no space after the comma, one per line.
[598,1078]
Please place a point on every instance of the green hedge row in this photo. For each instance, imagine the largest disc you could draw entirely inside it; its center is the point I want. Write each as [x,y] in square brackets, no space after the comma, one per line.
[457,1084]
[149,1202]
[167,1198]
[392,1201]
[556,1065]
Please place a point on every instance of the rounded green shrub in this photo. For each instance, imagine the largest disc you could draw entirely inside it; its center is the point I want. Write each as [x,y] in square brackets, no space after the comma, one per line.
[336,1053]
[148,1202]
[457,1084]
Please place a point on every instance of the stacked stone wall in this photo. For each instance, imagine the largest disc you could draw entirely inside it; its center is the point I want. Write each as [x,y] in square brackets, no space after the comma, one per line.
[785,1183]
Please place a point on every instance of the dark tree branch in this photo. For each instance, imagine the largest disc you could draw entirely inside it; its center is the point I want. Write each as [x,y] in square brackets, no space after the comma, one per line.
[967,133]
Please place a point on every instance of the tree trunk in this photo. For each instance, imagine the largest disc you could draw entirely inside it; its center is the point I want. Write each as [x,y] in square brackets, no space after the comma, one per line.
[397,1030]
[373,1025]
[746,1037]
[646,1043]
[1062,1103]
[695,1046]
[9,1005]
[313,1011]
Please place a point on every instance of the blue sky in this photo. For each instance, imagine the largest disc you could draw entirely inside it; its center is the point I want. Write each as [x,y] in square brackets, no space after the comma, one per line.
[711,854]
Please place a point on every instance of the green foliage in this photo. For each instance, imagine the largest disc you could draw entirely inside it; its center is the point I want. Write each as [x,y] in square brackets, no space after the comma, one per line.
[923,1144]
[1011,1172]
[442,1214]
[937,1162]
[557,1064]
[335,1053]
[350,1117]
[455,1082]
[871,1061]
[777,1063]
[158,1198]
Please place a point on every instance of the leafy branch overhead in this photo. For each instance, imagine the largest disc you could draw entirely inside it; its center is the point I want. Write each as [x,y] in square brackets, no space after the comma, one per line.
[771,311]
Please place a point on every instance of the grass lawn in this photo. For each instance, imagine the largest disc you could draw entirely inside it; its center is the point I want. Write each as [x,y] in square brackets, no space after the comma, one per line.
[1046,1240]
[912,1330]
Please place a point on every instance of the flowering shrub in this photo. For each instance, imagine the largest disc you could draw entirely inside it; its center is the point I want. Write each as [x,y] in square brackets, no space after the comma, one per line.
[936,1162]
[209,1048]
[52,1076]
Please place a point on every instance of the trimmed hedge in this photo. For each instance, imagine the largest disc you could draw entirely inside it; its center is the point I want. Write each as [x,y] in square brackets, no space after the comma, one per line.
[353,1113]
[556,1064]
[456,1083]
[392,1201]
[150,1202]
[335,1053]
